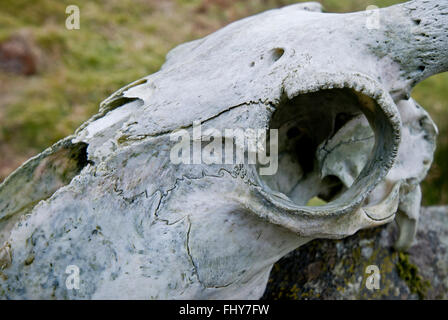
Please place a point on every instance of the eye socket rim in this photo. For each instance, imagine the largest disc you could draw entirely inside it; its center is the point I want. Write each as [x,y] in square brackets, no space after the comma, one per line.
[385,121]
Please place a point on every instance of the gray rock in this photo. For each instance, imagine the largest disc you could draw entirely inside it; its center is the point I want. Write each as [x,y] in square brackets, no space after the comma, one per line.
[325,269]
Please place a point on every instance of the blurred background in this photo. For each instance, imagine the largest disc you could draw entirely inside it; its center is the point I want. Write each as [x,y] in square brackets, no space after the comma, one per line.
[52,79]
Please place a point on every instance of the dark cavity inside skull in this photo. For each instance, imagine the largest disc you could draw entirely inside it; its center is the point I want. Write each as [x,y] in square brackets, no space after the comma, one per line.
[325,140]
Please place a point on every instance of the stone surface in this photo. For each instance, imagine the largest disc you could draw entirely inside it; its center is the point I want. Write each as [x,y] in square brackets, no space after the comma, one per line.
[18,54]
[111,201]
[329,269]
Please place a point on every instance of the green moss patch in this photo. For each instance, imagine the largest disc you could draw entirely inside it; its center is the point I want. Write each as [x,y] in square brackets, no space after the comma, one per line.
[409,273]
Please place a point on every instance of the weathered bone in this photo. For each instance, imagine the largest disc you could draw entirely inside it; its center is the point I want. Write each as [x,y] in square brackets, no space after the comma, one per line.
[139,226]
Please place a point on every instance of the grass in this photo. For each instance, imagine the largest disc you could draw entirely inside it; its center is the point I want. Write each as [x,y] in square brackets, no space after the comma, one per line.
[121,41]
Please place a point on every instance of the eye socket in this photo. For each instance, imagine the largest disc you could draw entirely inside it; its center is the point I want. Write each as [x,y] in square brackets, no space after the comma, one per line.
[325,140]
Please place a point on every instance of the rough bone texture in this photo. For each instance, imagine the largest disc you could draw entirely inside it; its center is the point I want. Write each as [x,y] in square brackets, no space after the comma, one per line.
[109,200]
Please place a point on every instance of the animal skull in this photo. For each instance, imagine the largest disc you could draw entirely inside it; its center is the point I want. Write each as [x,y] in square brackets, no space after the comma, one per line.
[109,201]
